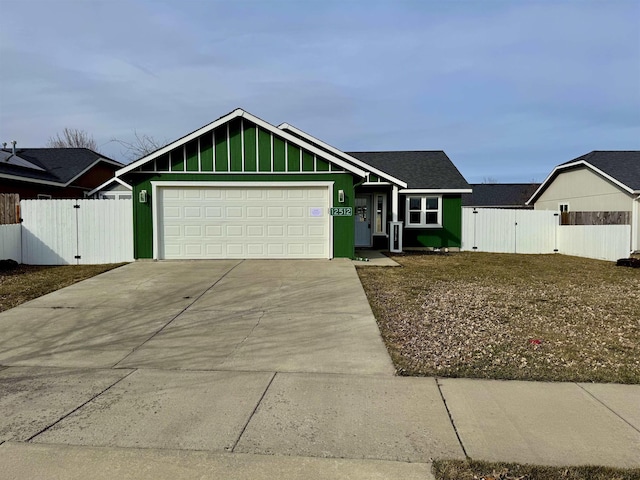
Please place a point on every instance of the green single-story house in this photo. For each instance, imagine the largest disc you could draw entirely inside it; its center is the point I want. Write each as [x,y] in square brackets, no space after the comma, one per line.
[240,187]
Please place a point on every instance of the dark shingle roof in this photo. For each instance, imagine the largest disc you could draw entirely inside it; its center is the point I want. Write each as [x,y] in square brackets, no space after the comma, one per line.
[419,169]
[61,165]
[499,194]
[623,165]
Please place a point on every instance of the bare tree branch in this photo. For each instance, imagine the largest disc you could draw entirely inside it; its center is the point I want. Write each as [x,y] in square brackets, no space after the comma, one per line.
[141,146]
[73,138]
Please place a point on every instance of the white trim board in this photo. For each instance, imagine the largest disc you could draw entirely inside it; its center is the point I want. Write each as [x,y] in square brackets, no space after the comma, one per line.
[335,151]
[439,191]
[155,185]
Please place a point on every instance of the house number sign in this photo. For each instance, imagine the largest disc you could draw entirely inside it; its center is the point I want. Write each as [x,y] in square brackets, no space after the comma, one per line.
[342,211]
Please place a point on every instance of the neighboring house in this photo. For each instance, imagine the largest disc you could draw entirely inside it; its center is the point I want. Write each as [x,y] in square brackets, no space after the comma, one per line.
[53,172]
[499,195]
[112,189]
[606,183]
[243,188]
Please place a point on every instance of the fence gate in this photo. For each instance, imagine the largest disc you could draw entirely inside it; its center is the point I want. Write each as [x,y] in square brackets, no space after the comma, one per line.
[74,232]
[509,230]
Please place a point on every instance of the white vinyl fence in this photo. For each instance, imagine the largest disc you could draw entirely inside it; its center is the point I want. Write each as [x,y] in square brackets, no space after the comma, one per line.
[10,247]
[538,231]
[605,242]
[63,232]
[503,230]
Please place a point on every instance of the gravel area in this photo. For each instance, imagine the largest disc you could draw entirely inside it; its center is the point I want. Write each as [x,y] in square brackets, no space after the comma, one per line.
[537,317]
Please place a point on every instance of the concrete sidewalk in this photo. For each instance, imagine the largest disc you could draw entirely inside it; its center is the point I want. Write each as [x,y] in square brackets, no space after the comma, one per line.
[263,370]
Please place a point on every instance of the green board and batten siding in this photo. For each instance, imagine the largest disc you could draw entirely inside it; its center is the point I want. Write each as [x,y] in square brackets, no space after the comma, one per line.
[449,235]
[239,151]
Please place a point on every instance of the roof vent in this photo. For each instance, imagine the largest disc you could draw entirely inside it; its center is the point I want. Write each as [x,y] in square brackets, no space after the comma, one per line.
[13,148]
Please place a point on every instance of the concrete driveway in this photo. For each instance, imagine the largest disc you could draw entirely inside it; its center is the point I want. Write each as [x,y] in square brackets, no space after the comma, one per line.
[275,316]
[265,360]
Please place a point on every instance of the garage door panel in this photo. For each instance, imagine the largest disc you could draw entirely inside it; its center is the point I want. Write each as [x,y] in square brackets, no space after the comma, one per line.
[255,212]
[229,222]
[255,231]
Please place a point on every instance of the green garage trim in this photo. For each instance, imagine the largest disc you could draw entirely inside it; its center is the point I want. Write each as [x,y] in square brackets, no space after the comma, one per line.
[343,227]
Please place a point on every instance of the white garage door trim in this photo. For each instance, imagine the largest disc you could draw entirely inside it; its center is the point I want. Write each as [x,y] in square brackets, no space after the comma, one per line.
[155,186]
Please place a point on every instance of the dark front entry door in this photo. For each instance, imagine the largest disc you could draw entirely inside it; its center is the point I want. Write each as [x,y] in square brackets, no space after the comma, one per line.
[363,221]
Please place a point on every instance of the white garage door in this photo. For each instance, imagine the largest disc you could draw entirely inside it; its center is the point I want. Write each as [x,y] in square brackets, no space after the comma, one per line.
[243,222]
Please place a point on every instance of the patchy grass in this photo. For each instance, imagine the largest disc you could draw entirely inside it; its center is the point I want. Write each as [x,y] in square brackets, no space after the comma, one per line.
[29,281]
[473,470]
[503,316]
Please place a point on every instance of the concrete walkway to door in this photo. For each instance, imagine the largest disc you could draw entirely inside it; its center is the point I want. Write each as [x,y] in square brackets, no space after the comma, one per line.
[262,369]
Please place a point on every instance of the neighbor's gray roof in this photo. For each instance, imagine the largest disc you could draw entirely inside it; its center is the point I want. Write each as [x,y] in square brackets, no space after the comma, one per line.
[61,165]
[419,169]
[499,194]
[623,165]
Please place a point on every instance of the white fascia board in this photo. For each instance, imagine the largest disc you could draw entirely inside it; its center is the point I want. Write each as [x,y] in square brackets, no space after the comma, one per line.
[335,151]
[108,182]
[435,190]
[84,171]
[31,180]
[252,118]
[582,163]
[207,128]
[308,146]
[222,184]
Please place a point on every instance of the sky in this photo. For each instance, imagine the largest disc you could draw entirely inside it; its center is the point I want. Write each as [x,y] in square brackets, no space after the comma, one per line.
[508,89]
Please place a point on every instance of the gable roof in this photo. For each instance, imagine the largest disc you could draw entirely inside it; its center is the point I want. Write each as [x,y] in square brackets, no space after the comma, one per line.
[421,170]
[330,149]
[499,194]
[53,166]
[620,167]
[240,113]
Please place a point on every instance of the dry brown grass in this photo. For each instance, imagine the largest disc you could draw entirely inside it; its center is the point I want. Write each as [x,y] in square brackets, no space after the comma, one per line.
[503,316]
[30,281]
[472,470]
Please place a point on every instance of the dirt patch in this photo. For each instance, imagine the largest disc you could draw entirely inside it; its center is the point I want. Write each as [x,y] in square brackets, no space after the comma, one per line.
[526,317]
[27,282]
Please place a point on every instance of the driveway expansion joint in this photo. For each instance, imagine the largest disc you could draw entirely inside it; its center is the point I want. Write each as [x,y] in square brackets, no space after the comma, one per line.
[453,423]
[176,316]
[48,427]
[607,407]
[244,428]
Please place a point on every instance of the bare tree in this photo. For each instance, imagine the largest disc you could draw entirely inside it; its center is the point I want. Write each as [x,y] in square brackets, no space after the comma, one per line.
[141,146]
[489,180]
[73,138]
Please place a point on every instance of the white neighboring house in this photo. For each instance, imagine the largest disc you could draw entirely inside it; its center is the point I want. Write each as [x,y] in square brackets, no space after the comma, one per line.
[600,181]
[112,189]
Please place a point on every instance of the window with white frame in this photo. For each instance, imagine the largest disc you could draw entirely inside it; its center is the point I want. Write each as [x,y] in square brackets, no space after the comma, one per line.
[380,209]
[424,211]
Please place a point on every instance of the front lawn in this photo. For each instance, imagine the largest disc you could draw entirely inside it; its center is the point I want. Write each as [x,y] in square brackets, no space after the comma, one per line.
[473,470]
[505,316]
[27,282]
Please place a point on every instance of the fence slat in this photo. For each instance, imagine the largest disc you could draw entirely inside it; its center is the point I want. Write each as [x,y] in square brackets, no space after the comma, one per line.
[10,247]
[9,211]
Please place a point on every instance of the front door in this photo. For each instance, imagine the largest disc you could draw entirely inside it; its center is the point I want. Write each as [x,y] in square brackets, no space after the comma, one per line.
[363,221]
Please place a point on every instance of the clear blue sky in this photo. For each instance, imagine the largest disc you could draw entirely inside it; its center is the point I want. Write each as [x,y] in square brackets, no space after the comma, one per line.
[508,89]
